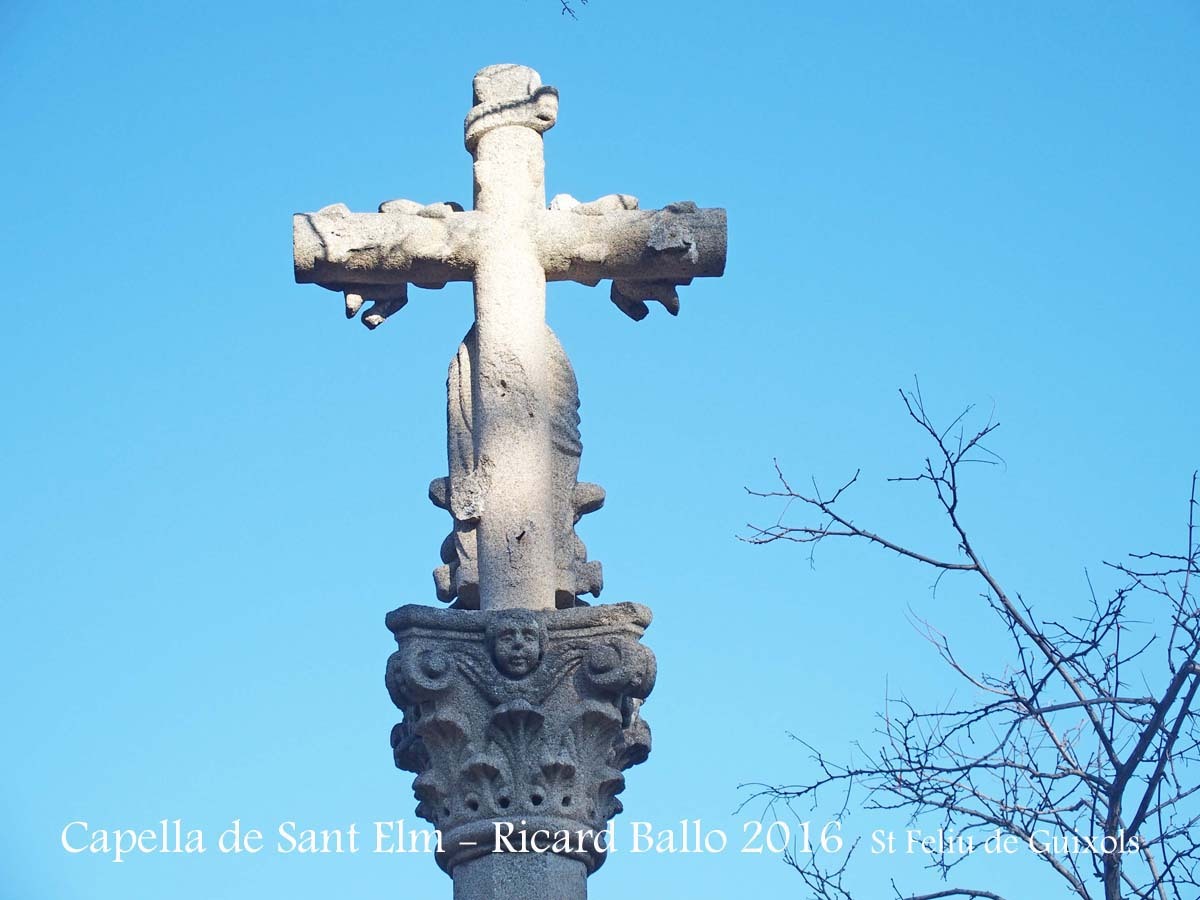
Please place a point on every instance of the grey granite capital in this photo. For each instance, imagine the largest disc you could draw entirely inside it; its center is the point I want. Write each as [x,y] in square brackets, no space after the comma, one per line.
[518,725]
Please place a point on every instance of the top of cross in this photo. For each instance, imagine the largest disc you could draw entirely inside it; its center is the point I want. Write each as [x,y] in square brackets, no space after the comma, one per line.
[508,94]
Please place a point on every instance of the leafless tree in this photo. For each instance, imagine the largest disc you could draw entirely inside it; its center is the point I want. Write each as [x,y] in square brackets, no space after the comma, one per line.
[1083,745]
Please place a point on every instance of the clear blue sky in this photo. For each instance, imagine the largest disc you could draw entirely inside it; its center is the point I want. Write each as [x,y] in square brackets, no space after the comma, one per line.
[214,486]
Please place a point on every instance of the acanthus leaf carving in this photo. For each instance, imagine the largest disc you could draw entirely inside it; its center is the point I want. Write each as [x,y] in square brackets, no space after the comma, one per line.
[518,714]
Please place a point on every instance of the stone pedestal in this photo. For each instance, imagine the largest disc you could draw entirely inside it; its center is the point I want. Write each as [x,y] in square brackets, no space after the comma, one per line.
[518,725]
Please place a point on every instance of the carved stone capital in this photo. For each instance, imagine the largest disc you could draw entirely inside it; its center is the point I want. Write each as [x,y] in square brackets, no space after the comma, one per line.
[519,716]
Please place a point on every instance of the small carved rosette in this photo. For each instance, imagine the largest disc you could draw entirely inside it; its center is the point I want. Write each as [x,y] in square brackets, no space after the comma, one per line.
[517,716]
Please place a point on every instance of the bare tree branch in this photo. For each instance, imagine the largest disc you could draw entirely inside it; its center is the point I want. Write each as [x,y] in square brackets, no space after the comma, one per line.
[568,9]
[1055,748]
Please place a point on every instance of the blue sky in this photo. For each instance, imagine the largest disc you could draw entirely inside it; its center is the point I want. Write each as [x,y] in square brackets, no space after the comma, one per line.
[214,486]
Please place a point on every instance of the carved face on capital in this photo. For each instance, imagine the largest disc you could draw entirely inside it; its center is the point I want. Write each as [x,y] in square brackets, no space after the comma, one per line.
[517,641]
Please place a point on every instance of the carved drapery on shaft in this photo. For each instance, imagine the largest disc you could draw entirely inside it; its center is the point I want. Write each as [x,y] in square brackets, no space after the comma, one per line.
[517,715]
[461,492]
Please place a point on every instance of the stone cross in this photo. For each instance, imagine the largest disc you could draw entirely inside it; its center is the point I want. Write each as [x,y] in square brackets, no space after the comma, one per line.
[521,704]
[509,247]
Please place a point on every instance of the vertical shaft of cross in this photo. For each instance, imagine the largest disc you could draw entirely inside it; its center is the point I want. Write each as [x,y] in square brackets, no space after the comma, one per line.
[513,450]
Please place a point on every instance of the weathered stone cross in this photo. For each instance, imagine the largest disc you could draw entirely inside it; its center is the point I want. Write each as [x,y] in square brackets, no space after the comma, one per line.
[521,705]
[514,541]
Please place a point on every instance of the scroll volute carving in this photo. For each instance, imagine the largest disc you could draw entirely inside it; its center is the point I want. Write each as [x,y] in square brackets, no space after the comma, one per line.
[519,714]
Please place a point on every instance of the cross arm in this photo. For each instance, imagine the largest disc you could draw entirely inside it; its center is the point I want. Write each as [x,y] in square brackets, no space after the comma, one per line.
[675,243]
[375,256]
[647,253]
